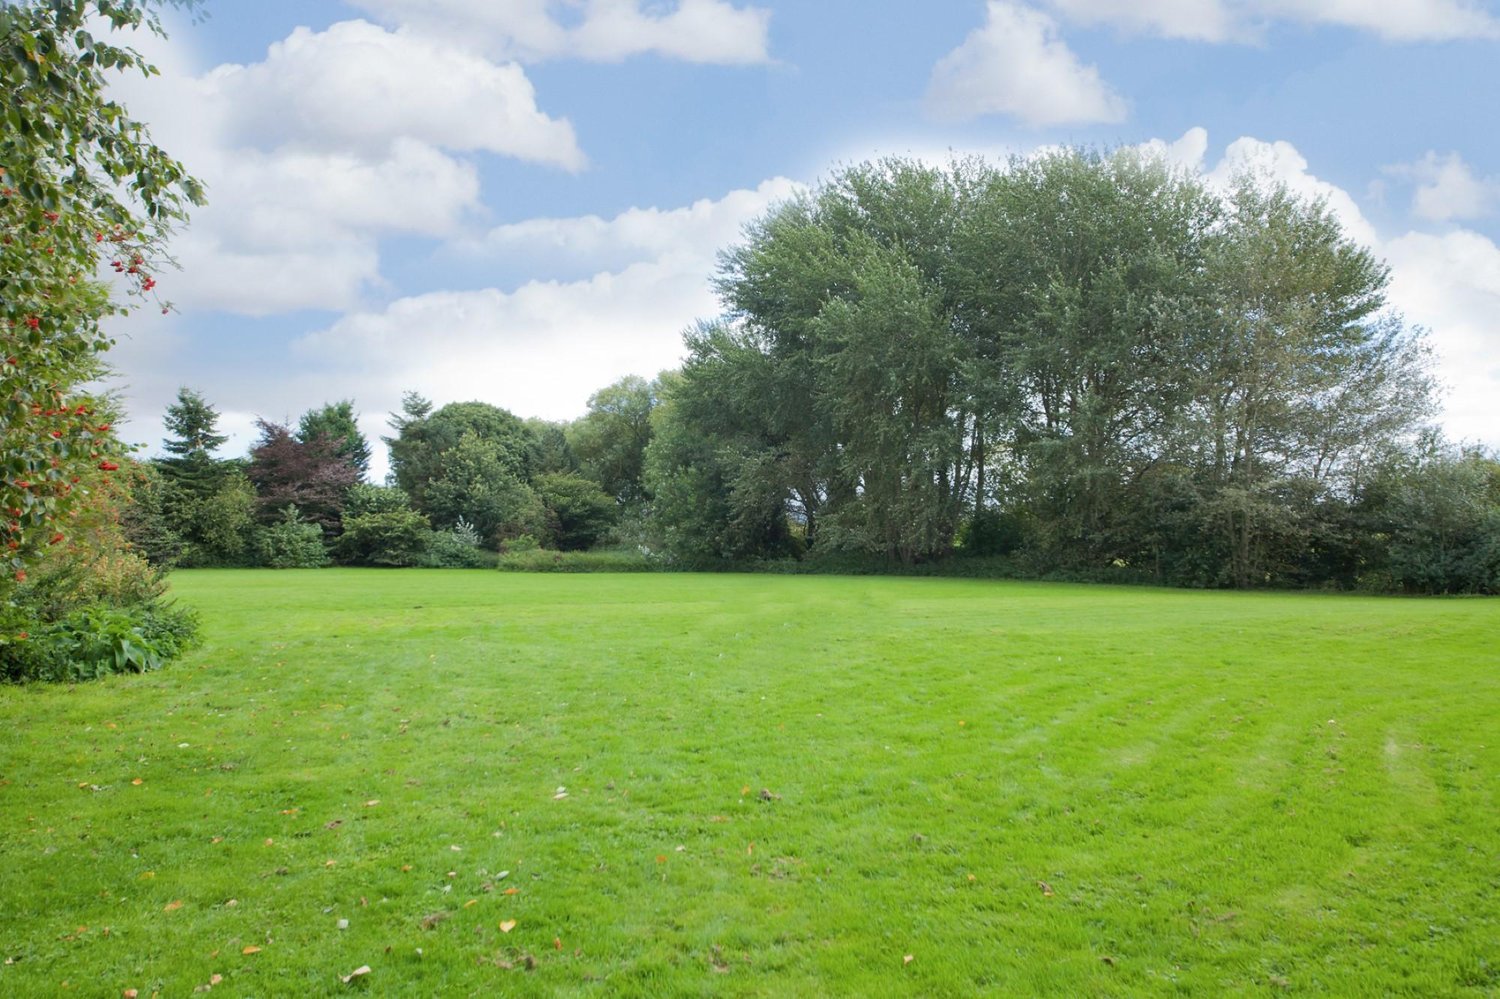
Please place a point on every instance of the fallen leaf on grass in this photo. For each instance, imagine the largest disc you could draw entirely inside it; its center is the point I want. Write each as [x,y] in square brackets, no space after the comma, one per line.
[908,958]
[252,949]
[172,906]
[511,891]
[432,919]
[471,902]
[334,824]
[1108,960]
[357,973]
[129,994]
[661,858]
[372,802]
[557,943]
[507,925]
[137,782]
[1045,887]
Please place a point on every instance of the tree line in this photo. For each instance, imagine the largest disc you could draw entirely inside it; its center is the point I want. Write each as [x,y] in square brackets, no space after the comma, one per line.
[1077,364]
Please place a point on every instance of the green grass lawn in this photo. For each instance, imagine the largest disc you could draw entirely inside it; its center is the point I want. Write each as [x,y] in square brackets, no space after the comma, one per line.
[745,785]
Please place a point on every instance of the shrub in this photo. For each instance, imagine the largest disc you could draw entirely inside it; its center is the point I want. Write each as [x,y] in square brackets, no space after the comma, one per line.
[454,550]
[599,560]
[363,498]
[291,543]
[394,538]
[97,641]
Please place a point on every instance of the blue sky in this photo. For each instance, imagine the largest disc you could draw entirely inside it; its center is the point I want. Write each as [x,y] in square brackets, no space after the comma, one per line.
[521,200]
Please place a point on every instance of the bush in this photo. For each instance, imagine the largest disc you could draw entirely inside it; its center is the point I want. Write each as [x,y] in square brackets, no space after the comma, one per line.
[601,560]
[97,641]
[454,550]
[291,543]
[393,538]
[363,498]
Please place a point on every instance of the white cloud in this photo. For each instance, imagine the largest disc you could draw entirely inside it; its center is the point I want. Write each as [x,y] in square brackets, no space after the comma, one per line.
[1393,20]
[698,230]
[541,349]
[701,31]
[1246,20]
[355,86]
[1450,284]
[1447,188]
[1280,162]
[1017,64]
[1185,153]
[1198,20]
[334,141]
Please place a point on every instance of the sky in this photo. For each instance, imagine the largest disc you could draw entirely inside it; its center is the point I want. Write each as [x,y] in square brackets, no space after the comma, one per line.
[521,201]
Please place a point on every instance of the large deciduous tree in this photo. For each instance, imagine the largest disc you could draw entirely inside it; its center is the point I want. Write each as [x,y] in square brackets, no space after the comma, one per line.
[1117,363]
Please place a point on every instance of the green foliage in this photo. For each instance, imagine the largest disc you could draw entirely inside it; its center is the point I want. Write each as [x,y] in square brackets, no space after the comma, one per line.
[455,549]
[338,422]
[1443,522]
[80,182]
[217,526]
[554,453]
[598,560]
[98,641]
[712,500]
[390,538]
[363,498]
[478,482]
[610,440]
[424,437]
[578,513]
[143,521]
[193,427]
[1141,373]
[290,543]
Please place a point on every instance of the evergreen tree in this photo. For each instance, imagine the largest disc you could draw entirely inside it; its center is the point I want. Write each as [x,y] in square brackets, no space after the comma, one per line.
[338,422]
[192,422]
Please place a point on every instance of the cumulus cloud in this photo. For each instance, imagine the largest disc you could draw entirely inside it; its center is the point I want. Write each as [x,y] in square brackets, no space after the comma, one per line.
[701,31]
[1017,64]
[356,85]
[1450,284]
[334,141]
[1447,188]
[1246,20]
[1185,153]
[542,348]
[1280,162]
[539,350]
